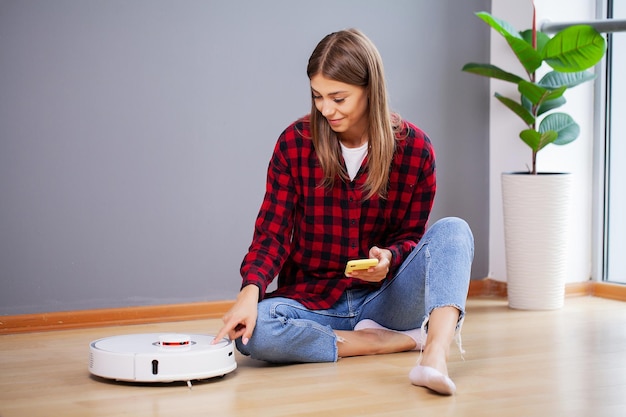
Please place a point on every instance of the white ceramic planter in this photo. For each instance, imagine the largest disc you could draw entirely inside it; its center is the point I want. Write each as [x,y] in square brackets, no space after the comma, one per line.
[537,213]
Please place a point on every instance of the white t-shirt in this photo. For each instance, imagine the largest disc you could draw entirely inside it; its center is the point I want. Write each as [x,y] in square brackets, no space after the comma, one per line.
[354,158]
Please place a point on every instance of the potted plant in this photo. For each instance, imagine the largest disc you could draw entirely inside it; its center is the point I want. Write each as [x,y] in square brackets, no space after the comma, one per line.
[535,204]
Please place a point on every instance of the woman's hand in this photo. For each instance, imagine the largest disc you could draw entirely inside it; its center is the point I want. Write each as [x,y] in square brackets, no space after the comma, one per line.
[241,318]
[376,273]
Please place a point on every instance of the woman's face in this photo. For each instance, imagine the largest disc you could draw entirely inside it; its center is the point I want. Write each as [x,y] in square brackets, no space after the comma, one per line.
[344,106]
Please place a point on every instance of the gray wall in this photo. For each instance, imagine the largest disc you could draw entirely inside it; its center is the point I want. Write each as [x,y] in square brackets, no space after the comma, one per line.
[135,134]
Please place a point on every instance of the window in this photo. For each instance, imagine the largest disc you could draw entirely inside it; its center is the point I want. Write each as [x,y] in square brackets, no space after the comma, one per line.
[614,259]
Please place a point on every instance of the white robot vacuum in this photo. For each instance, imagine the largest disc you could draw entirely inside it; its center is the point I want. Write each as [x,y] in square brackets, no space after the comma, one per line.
[154,357]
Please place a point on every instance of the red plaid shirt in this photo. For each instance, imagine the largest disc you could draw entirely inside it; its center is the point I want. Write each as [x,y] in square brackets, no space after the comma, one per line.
[305,234]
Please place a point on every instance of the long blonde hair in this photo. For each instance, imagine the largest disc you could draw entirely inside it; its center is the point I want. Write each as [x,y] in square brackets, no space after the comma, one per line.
[350,57]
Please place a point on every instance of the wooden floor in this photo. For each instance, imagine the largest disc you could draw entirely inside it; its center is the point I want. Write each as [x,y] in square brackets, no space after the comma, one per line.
[570,362]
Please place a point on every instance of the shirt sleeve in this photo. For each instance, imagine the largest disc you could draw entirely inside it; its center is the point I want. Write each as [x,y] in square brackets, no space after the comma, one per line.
[422,198]
[274,223]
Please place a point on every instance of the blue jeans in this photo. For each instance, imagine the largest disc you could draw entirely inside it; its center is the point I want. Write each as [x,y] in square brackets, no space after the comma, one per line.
[435,274]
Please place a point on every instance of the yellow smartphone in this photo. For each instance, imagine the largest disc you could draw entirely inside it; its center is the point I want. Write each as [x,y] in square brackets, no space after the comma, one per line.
[360,264]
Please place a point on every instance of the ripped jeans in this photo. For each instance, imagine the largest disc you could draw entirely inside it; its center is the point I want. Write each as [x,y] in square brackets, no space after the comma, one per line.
[435,274]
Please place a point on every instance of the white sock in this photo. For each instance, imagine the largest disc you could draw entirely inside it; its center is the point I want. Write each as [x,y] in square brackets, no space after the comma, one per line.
[417,335]
[425,376]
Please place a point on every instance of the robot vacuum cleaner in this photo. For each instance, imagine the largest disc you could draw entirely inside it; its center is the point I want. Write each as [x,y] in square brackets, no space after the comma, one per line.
[155,357]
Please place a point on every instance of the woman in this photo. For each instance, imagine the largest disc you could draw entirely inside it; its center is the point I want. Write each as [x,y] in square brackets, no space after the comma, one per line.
[349,181]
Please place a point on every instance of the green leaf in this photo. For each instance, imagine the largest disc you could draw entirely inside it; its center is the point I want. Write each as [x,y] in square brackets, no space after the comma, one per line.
[502,27]
[531,138]
[517,108]
[538,94]
[537,140]
[488,70]
[547,138]
[549,105]
[533,92]
[566,128]
[555,79]
[542,38]
[526,54]
[527,104]
[545,107]
[575,48]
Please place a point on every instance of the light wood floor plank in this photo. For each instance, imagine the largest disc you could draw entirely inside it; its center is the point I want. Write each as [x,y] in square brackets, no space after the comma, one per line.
[569,362]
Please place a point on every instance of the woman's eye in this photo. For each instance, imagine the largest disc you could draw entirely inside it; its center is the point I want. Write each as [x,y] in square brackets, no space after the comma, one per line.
[336,100]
